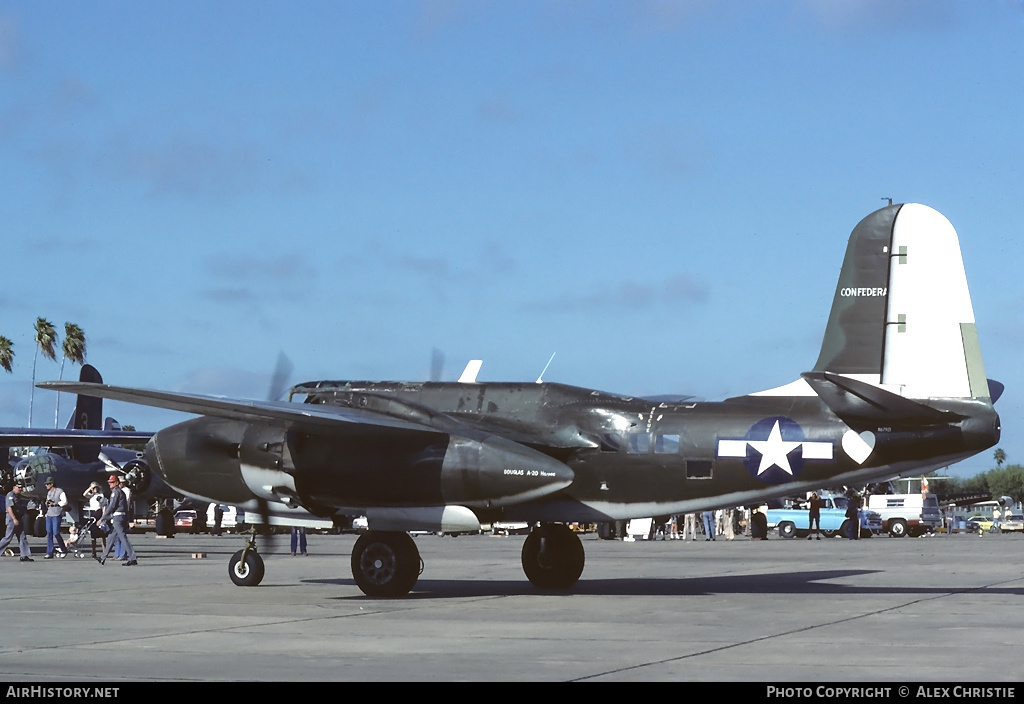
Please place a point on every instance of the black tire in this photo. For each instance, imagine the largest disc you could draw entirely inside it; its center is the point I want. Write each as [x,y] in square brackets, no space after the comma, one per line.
[248,573]
[553,557]
[385,563]
[787,530]
[164,524]
[898,528]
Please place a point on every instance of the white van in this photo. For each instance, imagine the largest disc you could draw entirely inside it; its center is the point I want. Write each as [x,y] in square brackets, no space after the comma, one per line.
[907,514]
[227,521]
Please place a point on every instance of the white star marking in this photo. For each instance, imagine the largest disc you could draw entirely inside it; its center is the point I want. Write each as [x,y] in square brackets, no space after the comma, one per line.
[774,451]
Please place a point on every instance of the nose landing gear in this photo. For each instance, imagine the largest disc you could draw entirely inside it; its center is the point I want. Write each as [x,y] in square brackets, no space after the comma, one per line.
[246,566]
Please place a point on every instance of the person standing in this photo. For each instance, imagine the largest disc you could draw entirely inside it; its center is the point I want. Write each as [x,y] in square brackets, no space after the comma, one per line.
[690,526]
[218,517]
[814,516]
[298,540]
[17,513]
[730,531]
[56,502]
[853,515]
[758,524]
[709,525]
[116,515]
[119,550]
[97,502]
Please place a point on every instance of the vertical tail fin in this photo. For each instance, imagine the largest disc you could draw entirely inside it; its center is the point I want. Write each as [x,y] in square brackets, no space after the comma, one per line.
[931,342]
[88,415]
[854,338]
[902,315]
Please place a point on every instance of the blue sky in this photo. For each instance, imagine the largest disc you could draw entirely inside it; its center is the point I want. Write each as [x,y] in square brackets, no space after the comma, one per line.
[659,192]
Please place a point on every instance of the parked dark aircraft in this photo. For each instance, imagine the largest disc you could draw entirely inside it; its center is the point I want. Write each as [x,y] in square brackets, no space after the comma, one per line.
[899,386]
[83,453]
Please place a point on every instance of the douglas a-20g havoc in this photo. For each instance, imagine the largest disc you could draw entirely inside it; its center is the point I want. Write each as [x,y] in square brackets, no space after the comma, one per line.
[898,387]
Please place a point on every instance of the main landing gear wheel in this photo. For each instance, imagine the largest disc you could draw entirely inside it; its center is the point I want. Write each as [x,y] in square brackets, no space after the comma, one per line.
[553,557]
[385,563]
[247,573]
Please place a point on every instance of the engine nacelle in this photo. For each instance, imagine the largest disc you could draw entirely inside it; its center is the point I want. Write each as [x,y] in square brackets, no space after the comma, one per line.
[353,465]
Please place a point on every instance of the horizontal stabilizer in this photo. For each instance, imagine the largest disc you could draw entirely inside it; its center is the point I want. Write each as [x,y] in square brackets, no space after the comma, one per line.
[854,400]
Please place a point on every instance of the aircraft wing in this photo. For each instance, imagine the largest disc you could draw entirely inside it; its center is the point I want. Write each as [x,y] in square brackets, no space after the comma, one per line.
[70,437]
[381,411]
[414,448]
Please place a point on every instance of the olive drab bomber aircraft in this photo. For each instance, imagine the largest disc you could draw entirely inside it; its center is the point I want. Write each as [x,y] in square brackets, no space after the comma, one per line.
[898,387]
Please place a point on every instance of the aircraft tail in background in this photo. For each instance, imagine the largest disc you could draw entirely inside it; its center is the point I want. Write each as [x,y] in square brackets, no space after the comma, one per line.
[88,416]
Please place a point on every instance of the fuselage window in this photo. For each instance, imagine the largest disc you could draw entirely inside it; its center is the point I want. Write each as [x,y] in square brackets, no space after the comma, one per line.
[666,443]
[639,443]
[698,469]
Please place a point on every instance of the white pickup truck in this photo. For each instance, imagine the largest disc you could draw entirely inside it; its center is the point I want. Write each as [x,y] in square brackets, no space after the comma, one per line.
[907,514]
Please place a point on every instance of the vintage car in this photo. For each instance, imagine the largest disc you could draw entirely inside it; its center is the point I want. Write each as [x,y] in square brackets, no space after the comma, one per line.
[979,524]
[184,519]
[1012,523]
[794,522]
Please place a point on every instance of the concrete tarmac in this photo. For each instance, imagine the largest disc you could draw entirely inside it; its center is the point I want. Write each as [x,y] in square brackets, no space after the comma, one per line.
[943,608]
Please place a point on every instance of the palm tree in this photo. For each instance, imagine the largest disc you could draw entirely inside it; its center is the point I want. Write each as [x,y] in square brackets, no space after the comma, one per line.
[74,349]
[6,354]
[999,456]
[46,338]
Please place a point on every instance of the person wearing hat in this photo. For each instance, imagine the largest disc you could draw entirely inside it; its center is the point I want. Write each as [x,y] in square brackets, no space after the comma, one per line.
[97,501]
[116,515]
[56,501]
[17,509]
